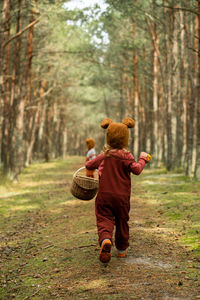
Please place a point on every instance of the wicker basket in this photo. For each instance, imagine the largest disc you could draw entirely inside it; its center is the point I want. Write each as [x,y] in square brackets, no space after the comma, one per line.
[83,187]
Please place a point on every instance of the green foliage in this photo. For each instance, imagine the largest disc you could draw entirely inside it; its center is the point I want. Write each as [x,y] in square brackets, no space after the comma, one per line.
[84,54]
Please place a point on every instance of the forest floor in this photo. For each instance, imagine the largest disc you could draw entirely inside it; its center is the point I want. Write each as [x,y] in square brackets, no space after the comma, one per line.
[48,239]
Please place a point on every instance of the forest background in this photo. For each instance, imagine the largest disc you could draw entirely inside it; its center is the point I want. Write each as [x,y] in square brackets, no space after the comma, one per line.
[62,71]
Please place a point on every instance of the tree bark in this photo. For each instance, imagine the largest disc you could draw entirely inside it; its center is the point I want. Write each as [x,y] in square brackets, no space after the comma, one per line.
[47,138]
[176,105]
[155,47]
[17,155]
[181,112]
[5,86]
[190,105]
[35,124]
[29,116]
[136,93]
[197,165]
[168,49]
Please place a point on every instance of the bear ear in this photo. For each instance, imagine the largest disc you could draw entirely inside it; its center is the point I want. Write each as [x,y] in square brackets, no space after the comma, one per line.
[105,123]
[130,123]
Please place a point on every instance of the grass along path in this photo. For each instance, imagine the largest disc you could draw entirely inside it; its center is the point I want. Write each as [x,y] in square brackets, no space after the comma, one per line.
[48,240]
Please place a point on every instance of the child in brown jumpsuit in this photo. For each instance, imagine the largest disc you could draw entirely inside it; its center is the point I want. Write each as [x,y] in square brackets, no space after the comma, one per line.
[112,203]
[91,154]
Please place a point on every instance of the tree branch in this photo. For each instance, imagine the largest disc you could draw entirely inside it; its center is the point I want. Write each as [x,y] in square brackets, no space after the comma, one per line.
[194,50]
[68,52]
[179,8]
[20,32]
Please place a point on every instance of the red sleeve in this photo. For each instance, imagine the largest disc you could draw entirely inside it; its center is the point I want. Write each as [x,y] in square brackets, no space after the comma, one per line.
[137,167]
[95,162]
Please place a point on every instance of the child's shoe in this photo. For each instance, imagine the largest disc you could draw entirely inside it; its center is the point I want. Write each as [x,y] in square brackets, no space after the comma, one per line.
[105,251]
[122,253]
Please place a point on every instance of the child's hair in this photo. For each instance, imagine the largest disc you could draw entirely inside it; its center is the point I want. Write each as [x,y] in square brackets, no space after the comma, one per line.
[107,148]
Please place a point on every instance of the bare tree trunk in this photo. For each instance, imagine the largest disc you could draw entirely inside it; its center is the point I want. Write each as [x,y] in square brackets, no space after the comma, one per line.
[62,131]
[2,38]
[129,95]
[106,105]
[173,84]
[5,83]
[40,146]
[129,111]
[29,117]
[64,151]
[35,124]
[196,79]
[29,59]
[176,116]
[47,138]
[155,46]
[17,159]
[168,50]
[122,105]
[136,93]
[181,111]
[155,98]
[54,129]
[191,105]
[197,165]
[143,127]
[148,112]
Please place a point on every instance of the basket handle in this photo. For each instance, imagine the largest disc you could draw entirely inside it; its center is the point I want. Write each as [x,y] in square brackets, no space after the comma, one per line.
[78,171]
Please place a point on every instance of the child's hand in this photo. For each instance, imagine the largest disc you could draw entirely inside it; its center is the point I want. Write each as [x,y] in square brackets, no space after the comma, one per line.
[146,155]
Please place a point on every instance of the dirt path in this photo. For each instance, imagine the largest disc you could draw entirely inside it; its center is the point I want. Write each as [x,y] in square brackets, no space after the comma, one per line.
[52,253]
[155,267]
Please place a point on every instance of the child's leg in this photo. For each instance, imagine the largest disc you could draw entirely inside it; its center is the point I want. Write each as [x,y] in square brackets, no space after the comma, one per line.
[104,217]
[122,227]
[121,234]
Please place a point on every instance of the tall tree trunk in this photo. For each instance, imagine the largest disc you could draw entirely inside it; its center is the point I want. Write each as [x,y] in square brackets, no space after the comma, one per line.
[155,66]
[196,80]
[176,114]
[173,77]
[35,124]
[54,128]
[122,105]
[5,83]
[130,106]
[64,149]
[40,146]
[136,92]
[168,50]
[155,97]
[62,140]
[181,112]
[17,159]
[197,165]
[191,104]
[29,117]
[47,137]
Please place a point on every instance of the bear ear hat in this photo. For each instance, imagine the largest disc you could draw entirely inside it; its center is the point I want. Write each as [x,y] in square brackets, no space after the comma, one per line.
[130,123]
[105,123]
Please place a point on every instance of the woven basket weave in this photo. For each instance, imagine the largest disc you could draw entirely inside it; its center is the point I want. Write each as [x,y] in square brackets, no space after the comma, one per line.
[83,187]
